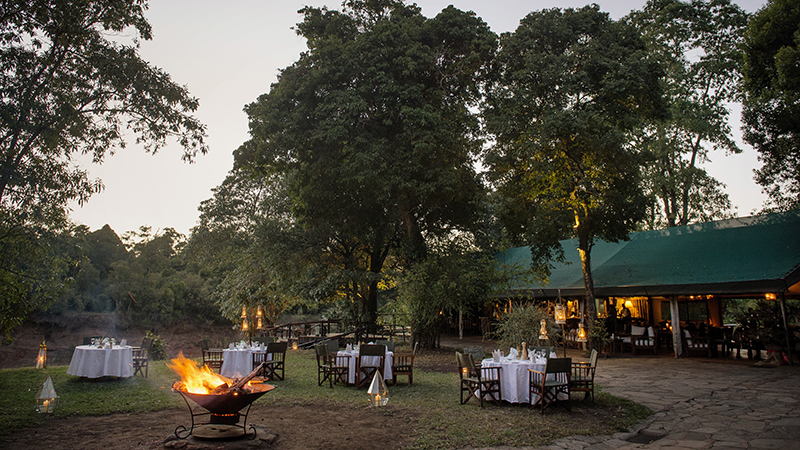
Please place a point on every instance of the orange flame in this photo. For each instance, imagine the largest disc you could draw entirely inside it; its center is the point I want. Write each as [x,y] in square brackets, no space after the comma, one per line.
[196,379]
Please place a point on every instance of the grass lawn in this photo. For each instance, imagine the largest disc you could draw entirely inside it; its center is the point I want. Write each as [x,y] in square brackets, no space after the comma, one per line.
[431,406]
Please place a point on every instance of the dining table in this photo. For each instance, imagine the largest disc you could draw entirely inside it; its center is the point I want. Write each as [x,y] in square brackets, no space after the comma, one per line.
[353,359]
[515,378]
[237,362]
[91,361]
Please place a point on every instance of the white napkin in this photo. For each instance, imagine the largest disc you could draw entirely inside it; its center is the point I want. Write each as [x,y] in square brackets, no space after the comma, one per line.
[107,345]
[123,343]
[230,346]
[513,353]
[496,355]
[349,348]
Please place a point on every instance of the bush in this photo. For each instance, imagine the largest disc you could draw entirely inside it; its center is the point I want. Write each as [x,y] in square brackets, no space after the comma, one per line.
[523,324]
[158,352]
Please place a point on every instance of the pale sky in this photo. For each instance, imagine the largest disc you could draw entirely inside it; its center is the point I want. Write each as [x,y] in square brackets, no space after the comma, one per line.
[229,53]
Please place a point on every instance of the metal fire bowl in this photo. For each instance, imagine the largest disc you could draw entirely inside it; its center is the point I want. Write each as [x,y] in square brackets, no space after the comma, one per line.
[229,403]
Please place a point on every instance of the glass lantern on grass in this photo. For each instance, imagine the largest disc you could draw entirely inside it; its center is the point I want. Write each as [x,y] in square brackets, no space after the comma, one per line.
[47,398]
[41,360]
[378,394]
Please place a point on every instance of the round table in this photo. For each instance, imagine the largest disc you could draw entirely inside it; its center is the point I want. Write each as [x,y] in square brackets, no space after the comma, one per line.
[351,372]
[238,362]
[93,362]
[514,378]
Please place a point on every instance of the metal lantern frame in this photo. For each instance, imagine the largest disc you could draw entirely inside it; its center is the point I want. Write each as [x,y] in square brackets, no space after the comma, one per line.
[47,399]
[378,393]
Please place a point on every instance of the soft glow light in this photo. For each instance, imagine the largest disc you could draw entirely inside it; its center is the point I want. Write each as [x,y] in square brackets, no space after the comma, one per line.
[581,333]
[378,394]
[244,325]
[543,330]
[294,345]
[560,314]
[244,312]
[260,325]
[258,312]
[47,398]
[41,360]
[770,296]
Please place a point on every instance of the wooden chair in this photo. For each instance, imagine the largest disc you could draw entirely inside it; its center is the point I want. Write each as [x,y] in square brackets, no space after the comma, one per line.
[141,357]
[323,365]
[549,384]
[275,365]
[368,369]
[212,357]
[403,364]
[477,354]
[478,382]
[647,341]
[582,377]
[389,344]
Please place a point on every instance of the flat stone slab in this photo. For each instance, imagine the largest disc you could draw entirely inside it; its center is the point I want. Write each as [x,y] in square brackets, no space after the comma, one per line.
[213,436]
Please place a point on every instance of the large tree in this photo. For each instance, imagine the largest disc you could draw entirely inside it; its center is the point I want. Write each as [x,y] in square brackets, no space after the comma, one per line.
[373,124]
[67,88]
[571,85]
[696,44]
[771,88]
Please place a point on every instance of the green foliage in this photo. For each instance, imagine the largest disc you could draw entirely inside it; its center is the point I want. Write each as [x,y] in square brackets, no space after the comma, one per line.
[68,90]
[159,350]
[373,132]
[523,324]
[598,335]
[698,90]
[764,323]
[772,99]
[446,283]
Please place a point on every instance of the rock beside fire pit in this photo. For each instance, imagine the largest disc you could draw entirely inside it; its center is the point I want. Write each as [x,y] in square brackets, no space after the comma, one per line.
[210,437]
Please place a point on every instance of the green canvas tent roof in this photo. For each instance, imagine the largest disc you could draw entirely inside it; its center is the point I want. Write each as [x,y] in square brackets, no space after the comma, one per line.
[750,255]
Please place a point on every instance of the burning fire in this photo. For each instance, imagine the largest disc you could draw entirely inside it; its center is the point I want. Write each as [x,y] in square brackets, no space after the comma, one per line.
[196,379]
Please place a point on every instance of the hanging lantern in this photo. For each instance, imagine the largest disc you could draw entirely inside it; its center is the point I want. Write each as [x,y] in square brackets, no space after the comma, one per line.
[378,394]
[258,311]
[543,330]
[41,360]
[244,312]
[244,325]
[260,325]
[560,314]
[47,398]
[581,333]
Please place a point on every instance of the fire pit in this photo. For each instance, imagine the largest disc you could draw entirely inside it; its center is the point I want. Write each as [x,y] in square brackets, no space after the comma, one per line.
[222,399]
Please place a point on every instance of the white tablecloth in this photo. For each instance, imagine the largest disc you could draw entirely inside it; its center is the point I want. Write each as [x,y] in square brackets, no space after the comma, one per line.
[237,363]
[92,362]
[514,379]
[351,373]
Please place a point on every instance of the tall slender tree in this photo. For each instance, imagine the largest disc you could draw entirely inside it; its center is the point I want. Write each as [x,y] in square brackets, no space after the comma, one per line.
[697,45]
[571,86]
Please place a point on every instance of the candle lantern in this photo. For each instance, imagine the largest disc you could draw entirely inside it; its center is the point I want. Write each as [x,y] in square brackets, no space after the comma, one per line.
[294,345]
[244,312]
[560,314]
[47,398]
[260,325]
[41,360]
[543,330]
[581,333]
[378,394]
[244,325]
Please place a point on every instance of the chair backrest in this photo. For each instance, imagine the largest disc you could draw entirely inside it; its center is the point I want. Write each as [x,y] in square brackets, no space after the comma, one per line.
[462,363]
[333,347]
[147,343]
[277,347]
[416,348]
[372,350]
[476,353]
[558,365]
[389,344]
[593,359]
[264,339]
[321,350]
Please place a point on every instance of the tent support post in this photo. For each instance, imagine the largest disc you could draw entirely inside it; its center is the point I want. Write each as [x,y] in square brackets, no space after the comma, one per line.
[786,329]
[677,343]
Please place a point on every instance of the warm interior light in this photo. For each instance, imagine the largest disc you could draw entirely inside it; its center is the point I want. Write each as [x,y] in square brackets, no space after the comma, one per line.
[196,379]
[770,296]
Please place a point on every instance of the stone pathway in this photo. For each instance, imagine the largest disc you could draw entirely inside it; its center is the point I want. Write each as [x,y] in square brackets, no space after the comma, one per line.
[699,404]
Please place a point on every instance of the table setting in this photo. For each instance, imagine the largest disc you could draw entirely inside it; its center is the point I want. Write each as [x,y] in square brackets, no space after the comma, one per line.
[102,358]
[352,351]
[238,358]
[514,376]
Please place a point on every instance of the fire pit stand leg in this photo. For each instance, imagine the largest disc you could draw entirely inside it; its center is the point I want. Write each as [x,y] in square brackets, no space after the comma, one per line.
[181,432]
